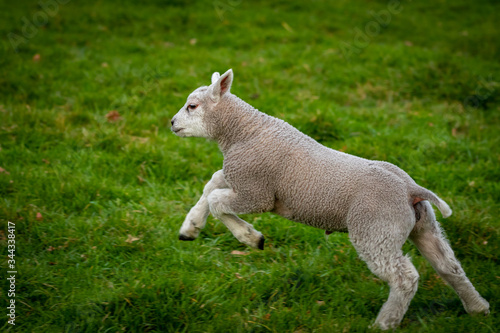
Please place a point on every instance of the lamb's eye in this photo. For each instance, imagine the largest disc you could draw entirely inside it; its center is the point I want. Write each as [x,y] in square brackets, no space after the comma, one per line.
[192,106]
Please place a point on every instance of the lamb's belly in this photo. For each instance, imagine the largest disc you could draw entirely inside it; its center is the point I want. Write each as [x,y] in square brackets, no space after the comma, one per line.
[326,217]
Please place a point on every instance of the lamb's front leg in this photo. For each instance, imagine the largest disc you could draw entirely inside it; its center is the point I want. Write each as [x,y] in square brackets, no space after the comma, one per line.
[197,216]
[222,203]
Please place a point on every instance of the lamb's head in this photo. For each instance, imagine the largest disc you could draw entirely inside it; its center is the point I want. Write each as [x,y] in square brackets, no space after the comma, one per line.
[191,120]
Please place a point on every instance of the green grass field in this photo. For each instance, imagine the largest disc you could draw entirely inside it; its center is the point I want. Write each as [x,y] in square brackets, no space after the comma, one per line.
[97,200]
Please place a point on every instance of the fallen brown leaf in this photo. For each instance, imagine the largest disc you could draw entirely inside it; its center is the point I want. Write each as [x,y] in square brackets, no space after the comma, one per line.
[113,116]
[240,253]
[132,239]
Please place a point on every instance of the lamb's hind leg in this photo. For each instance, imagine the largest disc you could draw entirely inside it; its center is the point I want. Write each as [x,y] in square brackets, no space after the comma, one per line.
[225,204]
[197,216]
[379,245]
[430,241]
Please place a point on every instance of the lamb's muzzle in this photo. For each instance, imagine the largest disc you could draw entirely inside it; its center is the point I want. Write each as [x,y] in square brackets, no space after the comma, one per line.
[186,238]
[271,166]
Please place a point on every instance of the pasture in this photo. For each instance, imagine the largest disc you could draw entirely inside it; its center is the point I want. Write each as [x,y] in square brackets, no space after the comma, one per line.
[97,187]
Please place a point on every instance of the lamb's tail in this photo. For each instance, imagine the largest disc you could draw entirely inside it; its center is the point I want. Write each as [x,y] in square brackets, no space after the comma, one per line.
[419,193]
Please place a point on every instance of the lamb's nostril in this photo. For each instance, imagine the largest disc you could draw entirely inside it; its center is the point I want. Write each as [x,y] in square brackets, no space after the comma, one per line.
[172,122]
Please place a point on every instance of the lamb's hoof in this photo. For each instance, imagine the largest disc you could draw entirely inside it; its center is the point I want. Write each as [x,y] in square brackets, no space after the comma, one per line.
[186,238]
[481,308]
[261,243]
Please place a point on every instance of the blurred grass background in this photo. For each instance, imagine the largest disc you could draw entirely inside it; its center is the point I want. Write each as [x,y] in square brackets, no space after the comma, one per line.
[98,186]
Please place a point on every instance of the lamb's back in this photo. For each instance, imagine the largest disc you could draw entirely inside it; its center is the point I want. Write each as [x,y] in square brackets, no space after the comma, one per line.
[308,182]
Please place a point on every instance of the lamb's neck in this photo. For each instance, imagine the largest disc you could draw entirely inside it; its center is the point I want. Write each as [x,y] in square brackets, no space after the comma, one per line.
[240,122]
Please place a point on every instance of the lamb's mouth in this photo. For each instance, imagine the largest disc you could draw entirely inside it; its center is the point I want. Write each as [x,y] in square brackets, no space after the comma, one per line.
[177,130]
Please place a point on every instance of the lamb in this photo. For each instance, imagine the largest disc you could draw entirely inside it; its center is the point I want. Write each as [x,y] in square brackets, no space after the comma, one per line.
[271,166]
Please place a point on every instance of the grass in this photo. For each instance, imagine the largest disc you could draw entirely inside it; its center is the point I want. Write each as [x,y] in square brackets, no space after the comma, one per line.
[97,204]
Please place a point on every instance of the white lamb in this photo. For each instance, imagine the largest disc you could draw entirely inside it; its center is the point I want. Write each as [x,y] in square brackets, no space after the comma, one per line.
[271,166]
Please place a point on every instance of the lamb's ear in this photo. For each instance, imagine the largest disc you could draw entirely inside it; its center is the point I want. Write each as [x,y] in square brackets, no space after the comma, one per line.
[221,86]
[215,77]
